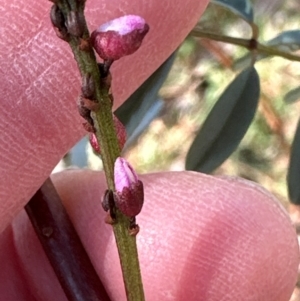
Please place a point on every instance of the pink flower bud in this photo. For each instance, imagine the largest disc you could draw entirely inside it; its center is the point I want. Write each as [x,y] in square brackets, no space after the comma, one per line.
[94,143]
[129,197]
[119,37]
[121,134]
[121,131]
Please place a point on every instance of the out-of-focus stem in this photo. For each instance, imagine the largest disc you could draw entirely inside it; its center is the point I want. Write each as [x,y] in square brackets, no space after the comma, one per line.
[264,49]
[63,247]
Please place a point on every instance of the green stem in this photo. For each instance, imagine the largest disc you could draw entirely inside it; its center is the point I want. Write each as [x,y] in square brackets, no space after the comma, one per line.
[129,260]
[103,118]
[268,50]
[107,138]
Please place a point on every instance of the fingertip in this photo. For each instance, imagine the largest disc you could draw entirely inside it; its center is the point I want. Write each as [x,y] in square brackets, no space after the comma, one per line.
[40,83]
[200,236]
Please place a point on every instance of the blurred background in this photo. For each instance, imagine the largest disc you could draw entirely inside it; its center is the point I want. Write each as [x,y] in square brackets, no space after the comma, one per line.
[201,71]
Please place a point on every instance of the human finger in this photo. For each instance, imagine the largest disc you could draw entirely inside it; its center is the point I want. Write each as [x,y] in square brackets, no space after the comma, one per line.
[40,82]
[201,238]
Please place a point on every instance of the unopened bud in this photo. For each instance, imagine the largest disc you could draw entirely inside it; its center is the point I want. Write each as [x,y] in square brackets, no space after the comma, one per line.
[129,196]
[108,205]
[75,24]
[119,37]
[94,143]
[86,114]
[58,22]
[88,86]
[121,135]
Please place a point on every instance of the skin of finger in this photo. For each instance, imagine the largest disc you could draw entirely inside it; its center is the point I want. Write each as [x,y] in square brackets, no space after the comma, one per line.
[201,238]
[40,83]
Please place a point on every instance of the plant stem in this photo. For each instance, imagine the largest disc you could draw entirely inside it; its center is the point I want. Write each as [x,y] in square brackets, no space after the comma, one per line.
[63,247]
[129,259]
[267,50]
[107,138]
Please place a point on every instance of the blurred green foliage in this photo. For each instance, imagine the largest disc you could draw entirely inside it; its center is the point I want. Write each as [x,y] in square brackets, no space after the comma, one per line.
[201,72]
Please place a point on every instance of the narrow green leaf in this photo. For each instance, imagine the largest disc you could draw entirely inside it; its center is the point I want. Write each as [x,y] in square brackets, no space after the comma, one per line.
[243,8]
[293,178]
[226,124]
[292,96]
[246,61]
[288,41]
[151,113]
[144,104]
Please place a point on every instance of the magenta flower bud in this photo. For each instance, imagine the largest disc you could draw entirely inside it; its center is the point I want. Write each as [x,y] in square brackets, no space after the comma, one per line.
[119,37]
[121,135]
[94,143]
[129,196]
[121,131]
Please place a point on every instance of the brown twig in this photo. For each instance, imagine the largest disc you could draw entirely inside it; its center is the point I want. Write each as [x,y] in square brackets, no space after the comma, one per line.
[249,44]
[63,247]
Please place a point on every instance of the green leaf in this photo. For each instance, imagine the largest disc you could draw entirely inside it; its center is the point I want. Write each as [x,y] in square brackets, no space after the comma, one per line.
[243,8]
[292,96]
[293,178]
[246,61]
[149,113]
[137,112]
[288,41]
[226,124]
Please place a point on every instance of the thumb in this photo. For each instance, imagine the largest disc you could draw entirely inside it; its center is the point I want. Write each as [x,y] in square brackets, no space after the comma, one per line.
[201,238]
[40,82]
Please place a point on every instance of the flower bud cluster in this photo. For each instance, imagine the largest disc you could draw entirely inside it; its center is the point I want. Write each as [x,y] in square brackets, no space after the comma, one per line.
[113,40]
